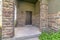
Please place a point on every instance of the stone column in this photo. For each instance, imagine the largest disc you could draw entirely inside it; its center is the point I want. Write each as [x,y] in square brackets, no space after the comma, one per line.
[43,14]
[8,19]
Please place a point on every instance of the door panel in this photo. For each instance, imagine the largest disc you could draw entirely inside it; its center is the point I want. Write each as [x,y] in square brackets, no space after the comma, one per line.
[28,17]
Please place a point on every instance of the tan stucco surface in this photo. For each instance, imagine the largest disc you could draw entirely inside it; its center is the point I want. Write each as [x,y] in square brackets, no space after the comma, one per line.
[54,6]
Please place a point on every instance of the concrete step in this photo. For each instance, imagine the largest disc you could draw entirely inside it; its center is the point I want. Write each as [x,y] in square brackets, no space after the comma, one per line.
[31,37]
[27,37]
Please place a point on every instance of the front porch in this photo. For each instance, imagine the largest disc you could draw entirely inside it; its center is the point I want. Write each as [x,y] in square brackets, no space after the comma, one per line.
[26,32]
[27,19]
[23,26]
[27,13]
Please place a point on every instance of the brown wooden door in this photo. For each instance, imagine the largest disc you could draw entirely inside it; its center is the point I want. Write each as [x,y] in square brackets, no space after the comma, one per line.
[28,17]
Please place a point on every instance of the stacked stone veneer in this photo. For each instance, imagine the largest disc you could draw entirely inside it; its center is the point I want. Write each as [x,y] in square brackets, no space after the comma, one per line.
[51,20]
[7,19]
[43,14]
[54,14]
[54,20]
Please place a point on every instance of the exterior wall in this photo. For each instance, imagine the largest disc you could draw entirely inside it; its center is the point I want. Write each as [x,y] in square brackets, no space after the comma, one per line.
[53,18]
[36,15]
[54,14]
[54,6]
[7,19]
[21,15]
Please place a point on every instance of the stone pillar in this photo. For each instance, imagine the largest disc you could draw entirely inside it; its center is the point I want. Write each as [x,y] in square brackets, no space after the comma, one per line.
[8,19]
[43,14]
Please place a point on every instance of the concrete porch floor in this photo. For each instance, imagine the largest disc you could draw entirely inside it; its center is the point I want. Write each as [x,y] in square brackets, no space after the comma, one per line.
[27,32]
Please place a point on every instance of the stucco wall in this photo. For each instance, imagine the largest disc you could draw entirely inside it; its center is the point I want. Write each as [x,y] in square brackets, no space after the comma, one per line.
[54,13]
[54,6]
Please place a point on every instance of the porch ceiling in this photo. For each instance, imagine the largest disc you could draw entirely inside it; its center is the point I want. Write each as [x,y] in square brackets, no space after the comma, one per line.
[31,1]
